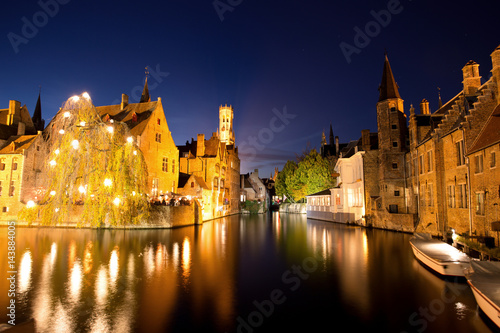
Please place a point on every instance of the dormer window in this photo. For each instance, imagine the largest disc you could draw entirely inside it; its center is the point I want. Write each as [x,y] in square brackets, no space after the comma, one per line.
[134,117]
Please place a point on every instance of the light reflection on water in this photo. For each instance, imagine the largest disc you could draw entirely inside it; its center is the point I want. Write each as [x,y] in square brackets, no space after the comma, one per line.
[204,278]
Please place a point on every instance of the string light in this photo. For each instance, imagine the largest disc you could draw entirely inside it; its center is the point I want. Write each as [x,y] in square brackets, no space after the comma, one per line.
[67,114]
[75,144]
[107,182]
[81,189]
[52,163]
[116,201]
[130,139]
[30,204]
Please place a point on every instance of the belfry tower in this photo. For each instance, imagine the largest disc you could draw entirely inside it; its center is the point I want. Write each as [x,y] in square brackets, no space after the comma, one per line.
[226,133]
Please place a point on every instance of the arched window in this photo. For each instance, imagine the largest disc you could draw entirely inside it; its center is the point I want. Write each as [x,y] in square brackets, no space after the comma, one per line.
[192,184]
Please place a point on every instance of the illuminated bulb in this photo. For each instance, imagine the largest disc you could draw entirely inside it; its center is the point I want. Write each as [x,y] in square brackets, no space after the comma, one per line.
[133,193]
[56,151]
[52,192]
[75,144]
[57,209]
[67,114]
[30,204]
[52,163]
[82,123]
[75,98]
[135,152]
[110,129]
[107,182]
[61,131]
[86,95]
[130,139]
[116,201]
[81,189]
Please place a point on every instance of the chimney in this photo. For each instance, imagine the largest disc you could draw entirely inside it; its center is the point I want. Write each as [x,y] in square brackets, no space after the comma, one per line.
[365,140]
[14,112]
[21,128]
[424,107]
[200,146]
[337,151]
[472,80]
[124,101]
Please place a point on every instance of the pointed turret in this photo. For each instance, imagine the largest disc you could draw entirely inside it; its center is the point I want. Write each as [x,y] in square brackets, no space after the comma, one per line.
[37,116]
[145,93]
[388,87]
[331,139]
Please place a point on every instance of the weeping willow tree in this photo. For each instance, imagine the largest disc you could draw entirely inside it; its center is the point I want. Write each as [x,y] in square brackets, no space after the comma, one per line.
[94,164]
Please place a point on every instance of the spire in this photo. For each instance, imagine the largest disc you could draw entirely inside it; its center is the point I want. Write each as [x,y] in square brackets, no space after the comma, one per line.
[37,115]
[331,139]
[440,101]
[388,87]
[145,93]
[323,138]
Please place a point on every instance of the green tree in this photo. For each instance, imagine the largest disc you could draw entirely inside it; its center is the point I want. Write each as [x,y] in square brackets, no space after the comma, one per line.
[283,179]
[312,174]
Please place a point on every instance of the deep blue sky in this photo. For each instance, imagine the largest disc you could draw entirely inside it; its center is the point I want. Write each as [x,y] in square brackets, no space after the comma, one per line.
[263,55]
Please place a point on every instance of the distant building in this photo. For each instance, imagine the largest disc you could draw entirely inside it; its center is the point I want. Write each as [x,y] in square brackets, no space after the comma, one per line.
[216,162]
[22,153]
[253,188]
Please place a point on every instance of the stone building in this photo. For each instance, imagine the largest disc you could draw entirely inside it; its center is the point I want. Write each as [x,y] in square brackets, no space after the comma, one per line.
[149,128]
[216,162]
[253,188]
[22,153]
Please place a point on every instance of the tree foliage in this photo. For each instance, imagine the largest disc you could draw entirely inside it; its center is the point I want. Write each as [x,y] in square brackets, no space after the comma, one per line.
[310,175]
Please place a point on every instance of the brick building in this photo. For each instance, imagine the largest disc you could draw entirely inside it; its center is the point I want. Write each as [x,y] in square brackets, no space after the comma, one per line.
[216,162]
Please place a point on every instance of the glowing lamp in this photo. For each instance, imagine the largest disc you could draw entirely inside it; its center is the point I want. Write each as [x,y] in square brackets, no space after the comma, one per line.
[133,193]
[75,144]
[52,163]
[107,182]
[56,151]
[30,204]
[52,192]
[130,139]
[67,114]
[61,131]
[82,123]
[86,95]
[135,152]
[116,201]
[81,189]
[110,129]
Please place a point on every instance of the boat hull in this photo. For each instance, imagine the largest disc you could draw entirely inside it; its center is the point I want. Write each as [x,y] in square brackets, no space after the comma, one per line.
[488,307]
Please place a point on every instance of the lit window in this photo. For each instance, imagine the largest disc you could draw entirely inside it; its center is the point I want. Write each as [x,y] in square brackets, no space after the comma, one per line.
[451,196]
[493,162]
[158,121]
[479,163]
[12,189]
[480,203]
[429,161]
[459,147]
[164,166]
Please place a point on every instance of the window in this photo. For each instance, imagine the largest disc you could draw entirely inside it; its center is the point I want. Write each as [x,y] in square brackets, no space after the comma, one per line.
[2,164]
[14,164]
[394,126]
[480,203]
[12,189]
[493,162]
[158,137]
[394,144]
[429,161]
[216,183]
[422,195]
[164,166]
[5,209]
[462,196]
[451,196]
[173,166]
[337,199]
[421,164]
[192,184]
[154,188]
[478,159]
[459,145]
[430,195]
[393,209]
[394,165]
[158,121]
[396,193]
[1,188]
[393,109]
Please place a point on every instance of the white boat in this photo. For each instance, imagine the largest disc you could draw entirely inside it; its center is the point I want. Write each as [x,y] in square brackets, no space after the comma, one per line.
[439,256]
[484,279]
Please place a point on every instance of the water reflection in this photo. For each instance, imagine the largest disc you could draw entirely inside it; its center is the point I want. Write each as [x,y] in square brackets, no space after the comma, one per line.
[203,278]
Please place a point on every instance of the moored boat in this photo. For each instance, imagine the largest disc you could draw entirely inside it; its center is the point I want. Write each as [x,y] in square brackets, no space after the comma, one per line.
[439,256]
[484,279]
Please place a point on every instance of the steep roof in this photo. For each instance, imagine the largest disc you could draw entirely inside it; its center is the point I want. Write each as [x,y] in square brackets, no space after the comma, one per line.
[388,87]
[16,144]
[490,134]
[135,115]
[145,93]
[38,122]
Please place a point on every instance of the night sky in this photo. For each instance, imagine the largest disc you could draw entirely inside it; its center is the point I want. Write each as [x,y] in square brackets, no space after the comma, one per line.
[279,63]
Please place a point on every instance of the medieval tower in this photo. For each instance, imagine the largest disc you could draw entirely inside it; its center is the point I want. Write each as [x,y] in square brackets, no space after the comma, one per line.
[226,132]
[392,138]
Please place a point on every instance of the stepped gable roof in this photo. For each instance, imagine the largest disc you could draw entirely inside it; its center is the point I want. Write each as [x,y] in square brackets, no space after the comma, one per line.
[135,115]
[388,87]
[16,144]
[490,134]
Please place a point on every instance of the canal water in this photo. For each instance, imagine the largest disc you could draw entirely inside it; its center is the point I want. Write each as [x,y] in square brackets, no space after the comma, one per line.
[265,273]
